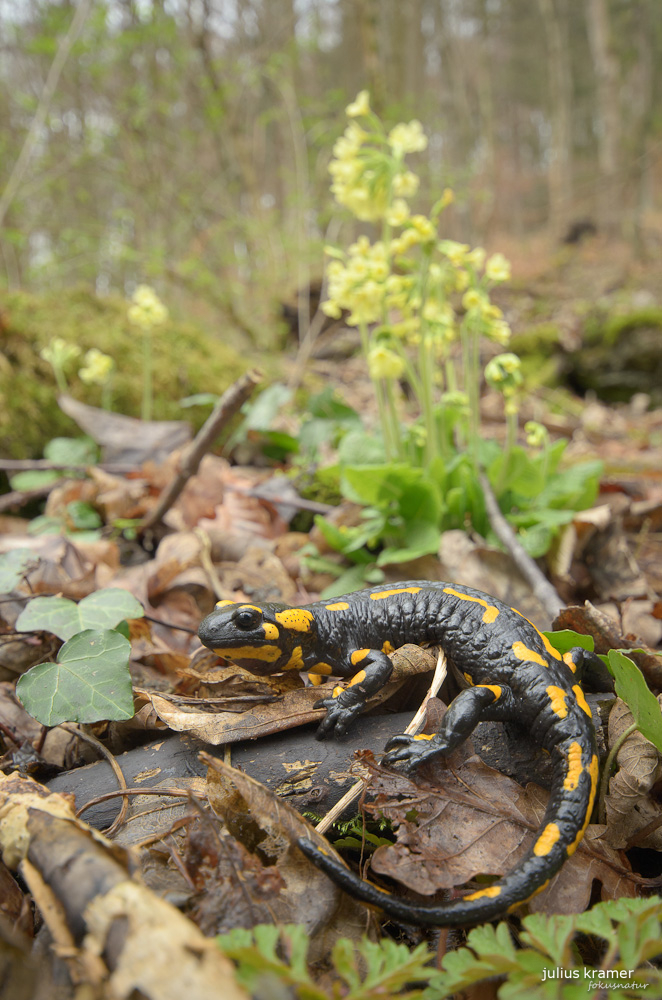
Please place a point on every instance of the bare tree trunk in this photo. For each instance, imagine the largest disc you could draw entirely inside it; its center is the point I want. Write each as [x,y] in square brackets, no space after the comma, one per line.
[368,13]
[559,176]
[642,89]
[608,112]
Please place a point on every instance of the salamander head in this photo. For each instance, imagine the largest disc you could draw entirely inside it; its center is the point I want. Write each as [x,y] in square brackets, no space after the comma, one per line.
[264,639]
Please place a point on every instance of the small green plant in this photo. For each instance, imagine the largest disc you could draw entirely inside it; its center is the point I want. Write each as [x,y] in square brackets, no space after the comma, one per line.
[90,679]
[550,966]
[414,296]
[269,958]
[620,937]
[147,312]
[98,370]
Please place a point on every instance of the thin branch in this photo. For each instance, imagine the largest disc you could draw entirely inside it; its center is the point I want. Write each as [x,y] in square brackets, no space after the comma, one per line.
[229,404]
[542,589]
[44,106]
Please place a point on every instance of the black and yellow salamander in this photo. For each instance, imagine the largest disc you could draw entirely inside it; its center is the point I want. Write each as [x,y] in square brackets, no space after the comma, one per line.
[512,671]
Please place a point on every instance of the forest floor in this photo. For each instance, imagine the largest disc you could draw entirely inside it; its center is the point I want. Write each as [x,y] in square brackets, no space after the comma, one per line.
[228,537]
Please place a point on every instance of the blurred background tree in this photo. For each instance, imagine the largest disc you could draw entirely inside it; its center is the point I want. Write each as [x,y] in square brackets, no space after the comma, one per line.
[187,141]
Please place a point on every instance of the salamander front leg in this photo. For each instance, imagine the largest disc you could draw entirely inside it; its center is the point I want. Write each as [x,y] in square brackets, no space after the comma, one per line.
[494,702]
[375,668]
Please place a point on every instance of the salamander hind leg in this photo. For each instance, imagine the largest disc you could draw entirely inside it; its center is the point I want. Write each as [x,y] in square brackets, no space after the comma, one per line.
[476,704]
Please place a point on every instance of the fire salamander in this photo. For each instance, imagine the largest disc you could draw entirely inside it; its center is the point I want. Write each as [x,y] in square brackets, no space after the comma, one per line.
[512,671]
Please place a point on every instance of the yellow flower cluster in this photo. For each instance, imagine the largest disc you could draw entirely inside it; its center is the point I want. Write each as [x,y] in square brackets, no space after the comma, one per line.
[97,369]
[504,372]
[407,138]
[59,352]
[147,310]
[383,362]
[359,283]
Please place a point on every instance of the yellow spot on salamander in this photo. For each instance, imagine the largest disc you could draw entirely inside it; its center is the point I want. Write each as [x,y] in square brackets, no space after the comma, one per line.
[270,630]
[469,679]
[340,606]
[494,688]
[593,770]
[315,679]
[545,641]
[268,653]
[525,654]
[423,736]
[357,678]
[557,696]
[295,661]
[381,594]
[388,648]
[323,668]
[490,893]
[581,700]
[297,619]
[546,840]
[250,607]
[569,662]
[358,655]
[224,604]
[574,767]
[491,613]
[338,690]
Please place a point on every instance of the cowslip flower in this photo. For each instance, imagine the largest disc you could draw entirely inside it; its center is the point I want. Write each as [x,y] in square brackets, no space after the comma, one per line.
[504,372]
[59,352]
[97,368]
[360,106]
[147,310]
[497,268]
[384,363]
[407,138]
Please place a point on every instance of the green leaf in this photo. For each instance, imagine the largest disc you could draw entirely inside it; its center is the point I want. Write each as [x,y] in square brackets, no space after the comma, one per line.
[83,515]
[33,479]
[632,688]
[102,610]
[199,399]
[89,682]
[551,935]
[565,639]
[13,566]
[72,451]
[359,448]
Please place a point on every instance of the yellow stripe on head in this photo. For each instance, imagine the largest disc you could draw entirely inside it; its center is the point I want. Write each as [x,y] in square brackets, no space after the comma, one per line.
[268,653]
[224,604]
[297,619]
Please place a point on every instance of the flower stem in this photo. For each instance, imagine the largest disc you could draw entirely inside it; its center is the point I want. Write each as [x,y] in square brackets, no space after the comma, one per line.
[146,409]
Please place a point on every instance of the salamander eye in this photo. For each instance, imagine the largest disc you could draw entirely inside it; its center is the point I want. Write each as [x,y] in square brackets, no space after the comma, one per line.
[248,619]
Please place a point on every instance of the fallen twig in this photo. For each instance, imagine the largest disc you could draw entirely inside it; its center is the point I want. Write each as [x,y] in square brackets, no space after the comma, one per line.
[542,589]
[229,403]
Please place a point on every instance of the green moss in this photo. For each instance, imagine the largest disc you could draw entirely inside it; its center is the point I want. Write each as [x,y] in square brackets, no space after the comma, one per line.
[187,360]
[541,339]
[608,329]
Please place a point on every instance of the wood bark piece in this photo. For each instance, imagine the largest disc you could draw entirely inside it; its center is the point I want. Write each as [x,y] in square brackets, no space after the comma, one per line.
[115,932]
[229,404]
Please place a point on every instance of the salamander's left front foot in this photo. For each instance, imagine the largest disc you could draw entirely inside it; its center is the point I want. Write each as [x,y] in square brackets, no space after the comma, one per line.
[412,751]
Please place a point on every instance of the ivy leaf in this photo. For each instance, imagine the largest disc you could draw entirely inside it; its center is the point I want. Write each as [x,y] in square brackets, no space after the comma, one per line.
[565,639]
[102,610]
[632,688]
[13,566]
[89,682]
